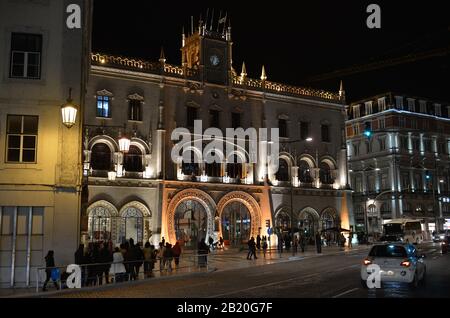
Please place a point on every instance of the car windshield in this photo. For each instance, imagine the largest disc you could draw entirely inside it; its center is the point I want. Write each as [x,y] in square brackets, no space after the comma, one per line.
[388,251]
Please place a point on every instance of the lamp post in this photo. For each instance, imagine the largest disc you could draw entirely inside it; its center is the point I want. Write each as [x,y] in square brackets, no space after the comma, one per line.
[69,112]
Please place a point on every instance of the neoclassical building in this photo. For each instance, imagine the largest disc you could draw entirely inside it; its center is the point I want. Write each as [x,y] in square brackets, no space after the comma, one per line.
[402,170]
[133,188]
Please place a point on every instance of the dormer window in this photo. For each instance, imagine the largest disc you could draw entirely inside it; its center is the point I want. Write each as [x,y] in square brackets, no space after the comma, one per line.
[282,126]
[399,102]
[437,110]
[356,111]
[368,106]
[382,104]
[423,106]
[411,104]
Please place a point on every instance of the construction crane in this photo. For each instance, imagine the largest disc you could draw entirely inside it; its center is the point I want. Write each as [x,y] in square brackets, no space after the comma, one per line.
[441,52]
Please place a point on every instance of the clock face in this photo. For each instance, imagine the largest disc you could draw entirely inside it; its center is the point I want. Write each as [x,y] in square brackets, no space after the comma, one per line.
[214,59]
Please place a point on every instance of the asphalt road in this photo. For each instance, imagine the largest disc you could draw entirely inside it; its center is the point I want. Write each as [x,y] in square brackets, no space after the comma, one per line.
[324,276]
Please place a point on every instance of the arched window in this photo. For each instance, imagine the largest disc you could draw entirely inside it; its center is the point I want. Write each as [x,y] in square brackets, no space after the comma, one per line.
[305,172]
[234,168]
[132,160]
[325,173]
[101,157]
[283,170]
[213,169]
[283,221]
[190,168]
[132,225]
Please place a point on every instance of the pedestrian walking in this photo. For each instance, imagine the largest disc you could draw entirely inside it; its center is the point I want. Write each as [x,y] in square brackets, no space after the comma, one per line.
[147,260]
[318,243]
[49,269]
[176,250]
[168,256]
[264,246]
[202,251]
[258,242]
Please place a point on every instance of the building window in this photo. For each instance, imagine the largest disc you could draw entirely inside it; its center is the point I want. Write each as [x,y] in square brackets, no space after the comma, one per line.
[191,116]
[437,110]
[234,168]
[213,169]
[214,118]
[26,51]
[411,104]
[356,150]
[416,144]
[401,122]
[405,181]
[413,123]
[382,123]
[21,139]
[368,107]
[282,126]
[325,129]
[103,106]
[304,130]
[382,143]
[368,147]
[427,144]
[283,170]
[358,184]
[404,142]
[132,160]
[384,181]
[356,111]
[235,120]
[382,104]
[423,106]
[371,183]
[399,102]
[101,157]
[356,129]
[135,110]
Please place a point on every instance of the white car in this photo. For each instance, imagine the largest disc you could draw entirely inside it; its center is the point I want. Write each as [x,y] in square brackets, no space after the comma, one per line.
[397,262]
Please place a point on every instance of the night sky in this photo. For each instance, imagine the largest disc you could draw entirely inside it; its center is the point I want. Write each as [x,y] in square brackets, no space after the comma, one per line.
[296,40]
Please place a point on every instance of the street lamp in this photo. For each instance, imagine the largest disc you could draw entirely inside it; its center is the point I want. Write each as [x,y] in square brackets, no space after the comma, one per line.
[69,112]
[124,143]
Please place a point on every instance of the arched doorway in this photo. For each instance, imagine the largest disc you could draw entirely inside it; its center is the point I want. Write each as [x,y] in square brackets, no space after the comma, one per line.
[308,223]
[236,223]
[101,216]
[200,204]
[283,170]
[252,220]
[329,224]
[191,223]
[134,222]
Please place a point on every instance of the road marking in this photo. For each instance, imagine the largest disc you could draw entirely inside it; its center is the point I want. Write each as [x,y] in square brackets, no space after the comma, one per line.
[346,292]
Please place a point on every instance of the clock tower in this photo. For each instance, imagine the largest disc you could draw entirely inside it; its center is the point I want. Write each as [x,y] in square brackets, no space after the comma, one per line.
[208,50]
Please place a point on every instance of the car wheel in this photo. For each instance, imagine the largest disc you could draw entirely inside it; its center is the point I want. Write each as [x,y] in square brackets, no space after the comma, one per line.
[415,282]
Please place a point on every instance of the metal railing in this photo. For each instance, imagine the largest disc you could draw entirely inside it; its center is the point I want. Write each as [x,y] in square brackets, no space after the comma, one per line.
[97,274]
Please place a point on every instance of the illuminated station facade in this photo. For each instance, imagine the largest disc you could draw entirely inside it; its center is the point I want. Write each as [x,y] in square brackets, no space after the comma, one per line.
[133,188]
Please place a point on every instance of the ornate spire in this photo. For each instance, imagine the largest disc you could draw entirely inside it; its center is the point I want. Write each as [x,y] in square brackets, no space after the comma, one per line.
[162,57]
[263,74]
[243,71]
[341,91]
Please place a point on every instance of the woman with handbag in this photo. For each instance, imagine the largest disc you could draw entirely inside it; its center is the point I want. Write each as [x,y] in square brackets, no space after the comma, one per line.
[49,270]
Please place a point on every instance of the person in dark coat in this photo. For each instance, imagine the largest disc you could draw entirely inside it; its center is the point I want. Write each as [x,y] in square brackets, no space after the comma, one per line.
[139,259]
[202,250]
[258,242]
[176,251]
[49,264]
[106,259]
[318,242]
[80,259]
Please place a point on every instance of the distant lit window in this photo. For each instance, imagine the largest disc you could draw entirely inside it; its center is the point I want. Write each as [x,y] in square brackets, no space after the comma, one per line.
[423,106]
[356,129]
[382,123]
[103,106]
[21,139]
[26,51]
[356,111]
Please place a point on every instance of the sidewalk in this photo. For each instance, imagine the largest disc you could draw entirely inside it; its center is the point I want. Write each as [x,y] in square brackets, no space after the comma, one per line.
[218,260]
